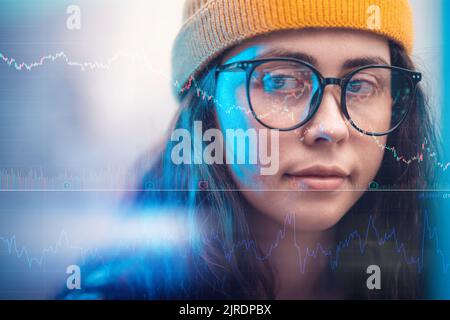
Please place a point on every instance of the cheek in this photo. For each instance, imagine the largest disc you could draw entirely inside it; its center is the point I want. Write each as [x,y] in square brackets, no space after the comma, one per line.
[244,139]
[369,153]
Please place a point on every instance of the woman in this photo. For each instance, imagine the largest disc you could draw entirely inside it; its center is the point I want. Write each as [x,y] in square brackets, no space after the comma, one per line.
[332,87]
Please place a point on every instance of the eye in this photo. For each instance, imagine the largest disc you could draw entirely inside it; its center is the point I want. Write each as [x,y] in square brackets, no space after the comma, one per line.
[361,87]
[286,81]
[273,83]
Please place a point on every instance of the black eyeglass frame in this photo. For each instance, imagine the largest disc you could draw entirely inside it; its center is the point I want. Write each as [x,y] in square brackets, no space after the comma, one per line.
[249,67]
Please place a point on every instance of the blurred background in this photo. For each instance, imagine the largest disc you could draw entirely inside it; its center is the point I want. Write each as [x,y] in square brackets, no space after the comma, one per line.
[85,92]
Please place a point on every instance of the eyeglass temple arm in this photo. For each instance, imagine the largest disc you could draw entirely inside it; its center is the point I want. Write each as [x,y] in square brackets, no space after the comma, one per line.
[233,67]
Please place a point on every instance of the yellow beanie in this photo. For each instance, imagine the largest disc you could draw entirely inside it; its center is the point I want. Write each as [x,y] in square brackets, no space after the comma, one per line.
[212,26]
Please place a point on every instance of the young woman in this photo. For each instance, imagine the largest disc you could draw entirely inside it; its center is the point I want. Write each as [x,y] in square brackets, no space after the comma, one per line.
[333,88]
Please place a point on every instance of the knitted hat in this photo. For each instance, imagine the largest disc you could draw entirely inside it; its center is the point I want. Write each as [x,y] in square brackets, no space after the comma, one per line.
[212,26]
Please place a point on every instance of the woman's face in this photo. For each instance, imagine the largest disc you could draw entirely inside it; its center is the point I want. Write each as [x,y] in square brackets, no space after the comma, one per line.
[324,166]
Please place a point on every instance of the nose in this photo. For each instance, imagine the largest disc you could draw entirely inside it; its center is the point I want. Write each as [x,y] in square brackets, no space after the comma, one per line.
[328,125]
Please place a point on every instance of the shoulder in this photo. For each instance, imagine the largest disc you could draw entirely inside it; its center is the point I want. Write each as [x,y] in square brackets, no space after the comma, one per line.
[135,274]
[146,274]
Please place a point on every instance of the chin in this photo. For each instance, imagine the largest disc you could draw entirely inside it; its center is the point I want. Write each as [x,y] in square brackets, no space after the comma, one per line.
[316,221]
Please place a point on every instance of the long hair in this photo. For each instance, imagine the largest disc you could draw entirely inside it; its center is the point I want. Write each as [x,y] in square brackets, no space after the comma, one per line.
[223,259]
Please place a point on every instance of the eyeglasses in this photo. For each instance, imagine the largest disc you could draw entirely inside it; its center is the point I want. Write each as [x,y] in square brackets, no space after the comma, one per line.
[284,94]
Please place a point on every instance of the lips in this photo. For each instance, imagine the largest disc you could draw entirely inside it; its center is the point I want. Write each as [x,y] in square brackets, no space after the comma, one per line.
[318,178]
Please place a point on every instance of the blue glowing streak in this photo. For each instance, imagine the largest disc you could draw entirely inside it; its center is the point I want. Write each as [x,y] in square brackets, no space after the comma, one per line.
[441,289]
[230,86]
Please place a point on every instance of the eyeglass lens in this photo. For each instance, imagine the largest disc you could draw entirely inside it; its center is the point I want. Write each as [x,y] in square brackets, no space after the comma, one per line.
[285,94]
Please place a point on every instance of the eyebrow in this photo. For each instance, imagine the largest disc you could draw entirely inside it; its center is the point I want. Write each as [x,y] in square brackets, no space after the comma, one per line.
[364,61]
[280,53]
[348,64]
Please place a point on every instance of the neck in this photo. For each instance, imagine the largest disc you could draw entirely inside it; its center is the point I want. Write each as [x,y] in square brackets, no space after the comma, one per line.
[298,275]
